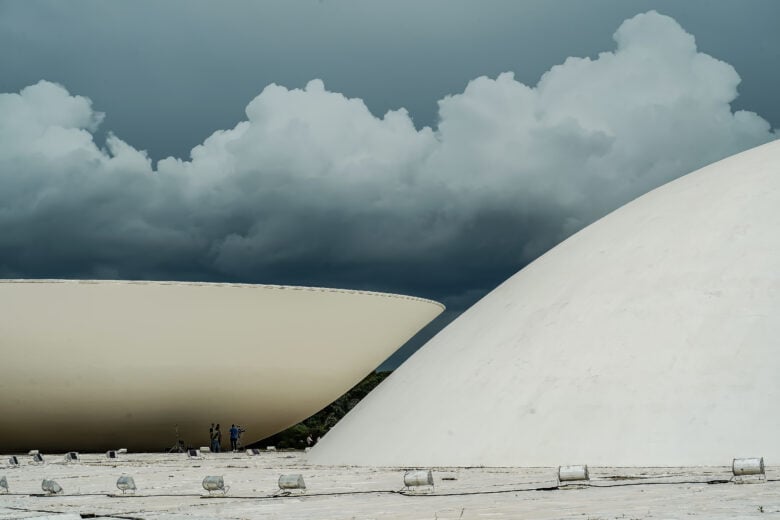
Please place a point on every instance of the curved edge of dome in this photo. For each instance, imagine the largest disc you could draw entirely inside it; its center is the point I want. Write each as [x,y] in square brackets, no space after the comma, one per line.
[222,284]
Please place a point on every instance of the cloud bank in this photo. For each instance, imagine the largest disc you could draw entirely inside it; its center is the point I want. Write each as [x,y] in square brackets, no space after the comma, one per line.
[314,189]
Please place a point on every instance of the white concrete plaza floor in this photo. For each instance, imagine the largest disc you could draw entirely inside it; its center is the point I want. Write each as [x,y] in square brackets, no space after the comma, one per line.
[169,486]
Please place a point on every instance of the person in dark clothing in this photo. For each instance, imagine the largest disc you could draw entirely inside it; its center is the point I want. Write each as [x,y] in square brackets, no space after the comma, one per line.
[233,437]
[217,439]
[211,437]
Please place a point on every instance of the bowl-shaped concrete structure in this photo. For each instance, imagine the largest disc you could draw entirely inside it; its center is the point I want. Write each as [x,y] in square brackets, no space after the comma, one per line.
[94,365]
[649,338]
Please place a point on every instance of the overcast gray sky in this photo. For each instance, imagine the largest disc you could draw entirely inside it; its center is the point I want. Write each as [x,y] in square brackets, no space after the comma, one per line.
[310,182]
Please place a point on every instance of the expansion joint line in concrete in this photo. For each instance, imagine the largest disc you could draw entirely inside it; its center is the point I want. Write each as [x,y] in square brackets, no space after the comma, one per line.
[82,515]
[573,486]
[377,492]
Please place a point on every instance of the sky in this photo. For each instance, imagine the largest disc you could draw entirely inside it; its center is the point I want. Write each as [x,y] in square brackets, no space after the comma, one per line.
[426,148]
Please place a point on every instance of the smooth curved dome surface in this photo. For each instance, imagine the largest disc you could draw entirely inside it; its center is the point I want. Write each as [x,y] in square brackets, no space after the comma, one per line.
[650,338]
[93,365]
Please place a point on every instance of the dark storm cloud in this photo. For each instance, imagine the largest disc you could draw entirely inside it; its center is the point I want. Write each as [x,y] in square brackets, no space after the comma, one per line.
[313,188]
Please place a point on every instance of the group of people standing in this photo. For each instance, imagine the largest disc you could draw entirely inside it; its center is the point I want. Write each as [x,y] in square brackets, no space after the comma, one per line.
[215,437]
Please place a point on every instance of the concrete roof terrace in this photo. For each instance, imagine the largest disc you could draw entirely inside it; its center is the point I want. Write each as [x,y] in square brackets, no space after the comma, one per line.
[169,486]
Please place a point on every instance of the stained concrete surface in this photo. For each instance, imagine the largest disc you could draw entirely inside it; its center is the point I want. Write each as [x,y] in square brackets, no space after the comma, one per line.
[169,486]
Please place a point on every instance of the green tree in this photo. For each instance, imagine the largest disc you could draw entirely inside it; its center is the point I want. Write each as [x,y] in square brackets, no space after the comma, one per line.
[318,424]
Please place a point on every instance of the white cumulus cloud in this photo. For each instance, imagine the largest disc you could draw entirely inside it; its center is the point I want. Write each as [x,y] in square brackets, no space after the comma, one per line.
[314,188]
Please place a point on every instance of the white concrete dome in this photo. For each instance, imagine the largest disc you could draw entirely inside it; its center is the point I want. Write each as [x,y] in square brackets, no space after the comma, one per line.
[650,338]
[96,365]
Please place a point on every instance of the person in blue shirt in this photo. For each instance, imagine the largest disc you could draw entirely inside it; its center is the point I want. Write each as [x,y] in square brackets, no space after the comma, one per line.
[233,437]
